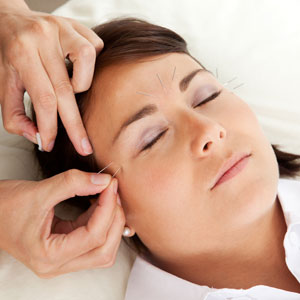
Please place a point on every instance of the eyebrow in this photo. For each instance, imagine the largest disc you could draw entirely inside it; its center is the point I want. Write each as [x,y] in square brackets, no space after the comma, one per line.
[150,109]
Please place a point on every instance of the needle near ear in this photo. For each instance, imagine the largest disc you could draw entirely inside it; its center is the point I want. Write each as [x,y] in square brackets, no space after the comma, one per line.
[116,172]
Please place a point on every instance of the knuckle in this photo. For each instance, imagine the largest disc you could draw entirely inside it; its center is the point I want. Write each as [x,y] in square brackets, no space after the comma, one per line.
[101,240]
[44,273]
[42,269]
[87,51]
[107,259]
[40,272]
[40,27]
[43,263]
[110,264]
[69,177]
[50,19]
[9,125]
[15,49]
[100,43]
[47,102]
[63,87]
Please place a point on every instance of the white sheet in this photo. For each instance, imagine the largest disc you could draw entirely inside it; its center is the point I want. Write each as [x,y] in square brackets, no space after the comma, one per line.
[257,40]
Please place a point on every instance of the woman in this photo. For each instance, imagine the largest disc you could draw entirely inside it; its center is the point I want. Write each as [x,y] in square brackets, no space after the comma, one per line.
[172,130]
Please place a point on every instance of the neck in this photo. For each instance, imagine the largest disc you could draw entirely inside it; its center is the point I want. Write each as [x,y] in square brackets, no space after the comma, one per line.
[254,259]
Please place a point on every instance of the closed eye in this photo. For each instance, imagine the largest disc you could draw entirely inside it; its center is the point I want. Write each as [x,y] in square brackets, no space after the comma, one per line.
[210,98]
[148,146]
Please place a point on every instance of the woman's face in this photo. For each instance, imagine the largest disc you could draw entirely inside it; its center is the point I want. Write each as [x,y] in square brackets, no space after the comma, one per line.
[165,189]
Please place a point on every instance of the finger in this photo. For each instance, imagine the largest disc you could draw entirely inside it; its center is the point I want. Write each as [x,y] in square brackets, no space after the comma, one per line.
[83,55]
[72,183]
[63,186]
[65,226]
[100,257]
[90,35]
[65,247]
[66,102]
[13,112]
[86,238]
[96,228]
[42,97]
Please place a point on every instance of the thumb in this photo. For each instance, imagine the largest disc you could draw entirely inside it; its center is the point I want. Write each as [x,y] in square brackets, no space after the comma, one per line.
[72,183]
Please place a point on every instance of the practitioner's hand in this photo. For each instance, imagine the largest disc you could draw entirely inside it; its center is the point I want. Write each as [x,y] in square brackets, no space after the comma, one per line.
[50,246]
[33,48]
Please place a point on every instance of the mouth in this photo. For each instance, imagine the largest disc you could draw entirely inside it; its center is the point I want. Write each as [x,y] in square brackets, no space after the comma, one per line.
[230,168]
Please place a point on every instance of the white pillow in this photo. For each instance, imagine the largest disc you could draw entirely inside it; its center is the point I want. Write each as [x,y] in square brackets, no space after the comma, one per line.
[257,40]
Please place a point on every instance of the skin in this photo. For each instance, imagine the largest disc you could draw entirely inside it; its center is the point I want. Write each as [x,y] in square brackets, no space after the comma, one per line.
[22,44]
[166,190]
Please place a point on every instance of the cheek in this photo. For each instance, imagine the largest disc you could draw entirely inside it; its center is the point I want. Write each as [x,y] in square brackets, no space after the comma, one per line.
[242,124]
[255,191]
[153,195]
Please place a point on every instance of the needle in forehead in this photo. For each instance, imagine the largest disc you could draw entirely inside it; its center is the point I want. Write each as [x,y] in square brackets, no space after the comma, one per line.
[146,94]
[160,81]
[174,73]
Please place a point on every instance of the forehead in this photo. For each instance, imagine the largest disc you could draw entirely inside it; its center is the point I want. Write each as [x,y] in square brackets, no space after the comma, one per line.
[121,81]
[114,91]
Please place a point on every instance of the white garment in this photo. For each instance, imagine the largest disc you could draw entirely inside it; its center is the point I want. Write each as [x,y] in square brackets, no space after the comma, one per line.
[147,282]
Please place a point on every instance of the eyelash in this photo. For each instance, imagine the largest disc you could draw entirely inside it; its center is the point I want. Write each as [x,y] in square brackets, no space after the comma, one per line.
[210,98]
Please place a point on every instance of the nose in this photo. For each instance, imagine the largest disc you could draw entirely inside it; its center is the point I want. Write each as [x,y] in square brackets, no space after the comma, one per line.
[206,134]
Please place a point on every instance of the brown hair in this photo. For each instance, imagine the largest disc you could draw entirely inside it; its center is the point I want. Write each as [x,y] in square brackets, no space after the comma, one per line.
[127,40]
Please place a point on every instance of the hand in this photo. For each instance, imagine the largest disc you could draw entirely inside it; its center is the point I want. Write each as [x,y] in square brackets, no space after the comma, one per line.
[49,246]
[33,48]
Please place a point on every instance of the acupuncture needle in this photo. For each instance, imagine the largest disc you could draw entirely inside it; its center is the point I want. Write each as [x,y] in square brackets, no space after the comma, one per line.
[107,167]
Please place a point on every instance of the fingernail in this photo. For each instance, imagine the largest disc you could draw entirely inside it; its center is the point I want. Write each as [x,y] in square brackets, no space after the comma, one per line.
[50,146]
[39,141]
[116,186]
[102,179]
[29,137]
[86,145]
[119,200]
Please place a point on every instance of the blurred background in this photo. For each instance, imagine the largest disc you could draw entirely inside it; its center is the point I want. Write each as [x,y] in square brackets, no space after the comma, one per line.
[44,5]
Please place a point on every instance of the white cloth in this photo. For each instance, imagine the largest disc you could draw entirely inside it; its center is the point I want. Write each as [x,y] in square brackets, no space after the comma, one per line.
[146,281]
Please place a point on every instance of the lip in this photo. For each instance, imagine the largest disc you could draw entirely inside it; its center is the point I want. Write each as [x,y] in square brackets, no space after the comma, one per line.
[234,165]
